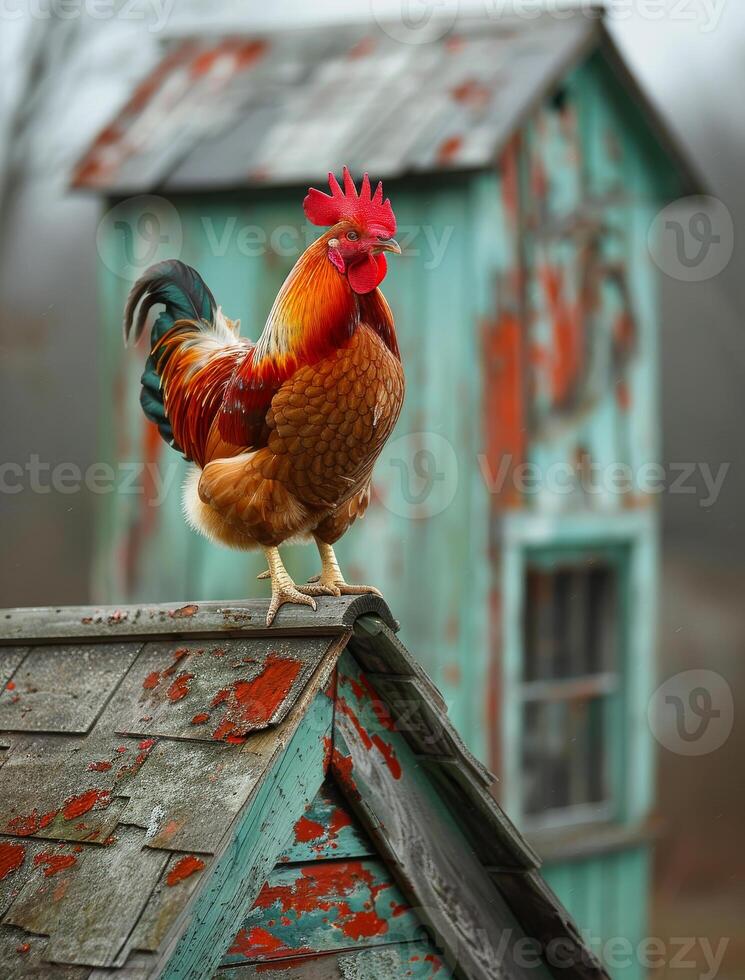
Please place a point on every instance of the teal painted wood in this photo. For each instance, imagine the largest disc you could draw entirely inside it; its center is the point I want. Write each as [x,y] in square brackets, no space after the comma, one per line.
[606,895]
[328,830]
[239,873]
[322,906]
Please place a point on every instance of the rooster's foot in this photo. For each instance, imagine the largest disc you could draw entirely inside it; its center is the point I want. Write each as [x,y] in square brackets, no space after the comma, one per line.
[283,588]
[287,593]
[318,585]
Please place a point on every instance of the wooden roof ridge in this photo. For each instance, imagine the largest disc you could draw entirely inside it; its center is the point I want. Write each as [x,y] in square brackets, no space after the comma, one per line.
[135,777]
[145,621]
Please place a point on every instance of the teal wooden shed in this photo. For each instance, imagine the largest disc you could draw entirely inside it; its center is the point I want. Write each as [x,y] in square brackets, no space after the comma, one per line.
[512,517]
[186,794]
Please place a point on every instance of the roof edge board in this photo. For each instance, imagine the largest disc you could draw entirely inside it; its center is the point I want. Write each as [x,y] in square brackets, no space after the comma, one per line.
[99,624]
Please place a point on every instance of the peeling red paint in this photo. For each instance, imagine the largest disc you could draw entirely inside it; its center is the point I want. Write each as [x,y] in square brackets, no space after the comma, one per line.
[389,754]
[26,826]
[76,806]
[503,414]
[365,925]
[201,718]
[12,857]
[362,48]
[251,704]
[184,612]
[170,829]
[152,680]
[567,359]
[339,819]
[369,741]
[473,93]
[326,887]
[54,863]
[343,707]
[307,830]
[179,688]
[145,747]
[102,766]
[178,655]
[449,149]
[183,869]
[383,715]
[10,686]
[61,890]
[343,766]
[23,948]
[255,942]
[435,962]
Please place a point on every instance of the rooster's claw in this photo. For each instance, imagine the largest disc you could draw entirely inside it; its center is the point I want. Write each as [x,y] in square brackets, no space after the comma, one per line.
[281,595]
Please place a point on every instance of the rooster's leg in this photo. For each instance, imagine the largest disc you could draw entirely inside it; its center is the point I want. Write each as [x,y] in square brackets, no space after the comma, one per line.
[283,588]
[331,581]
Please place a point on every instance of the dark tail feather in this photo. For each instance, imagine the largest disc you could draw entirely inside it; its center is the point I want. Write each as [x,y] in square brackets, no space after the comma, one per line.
[179,288]
[185,296]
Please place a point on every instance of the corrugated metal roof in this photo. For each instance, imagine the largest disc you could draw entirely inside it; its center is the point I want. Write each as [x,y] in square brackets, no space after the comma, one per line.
[286,107]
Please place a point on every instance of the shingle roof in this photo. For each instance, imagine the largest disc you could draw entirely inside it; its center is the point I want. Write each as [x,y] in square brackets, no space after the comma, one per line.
[136,740]
[283,108]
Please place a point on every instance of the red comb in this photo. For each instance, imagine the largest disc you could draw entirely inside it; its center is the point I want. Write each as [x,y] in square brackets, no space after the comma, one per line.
[367,208]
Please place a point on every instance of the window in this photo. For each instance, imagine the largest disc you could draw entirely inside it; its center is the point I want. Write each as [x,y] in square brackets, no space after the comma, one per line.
[570,687]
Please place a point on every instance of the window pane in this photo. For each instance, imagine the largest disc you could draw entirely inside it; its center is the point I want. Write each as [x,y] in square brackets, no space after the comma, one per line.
[570,622]
[563,755]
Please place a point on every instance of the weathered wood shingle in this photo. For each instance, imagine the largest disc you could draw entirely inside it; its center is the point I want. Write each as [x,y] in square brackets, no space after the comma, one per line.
[155,766]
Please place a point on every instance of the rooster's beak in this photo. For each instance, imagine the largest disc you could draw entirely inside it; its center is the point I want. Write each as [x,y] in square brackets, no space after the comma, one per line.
[389,245]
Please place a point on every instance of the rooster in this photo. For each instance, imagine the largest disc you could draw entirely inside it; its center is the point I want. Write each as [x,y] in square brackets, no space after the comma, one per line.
[283,434]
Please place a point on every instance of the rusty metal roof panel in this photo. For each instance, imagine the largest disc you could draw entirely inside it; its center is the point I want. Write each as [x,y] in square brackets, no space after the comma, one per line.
[282,108]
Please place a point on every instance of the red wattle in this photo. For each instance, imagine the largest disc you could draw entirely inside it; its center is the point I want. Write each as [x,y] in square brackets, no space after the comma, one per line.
[367,273]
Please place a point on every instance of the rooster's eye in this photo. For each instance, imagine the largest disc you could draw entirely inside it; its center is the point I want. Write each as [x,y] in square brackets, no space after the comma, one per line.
[352,236]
